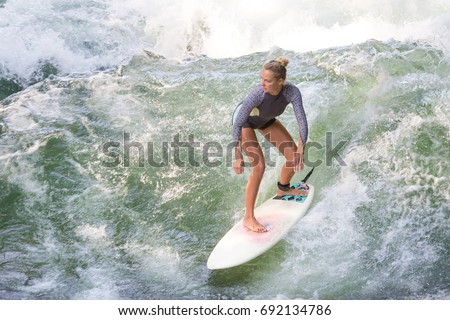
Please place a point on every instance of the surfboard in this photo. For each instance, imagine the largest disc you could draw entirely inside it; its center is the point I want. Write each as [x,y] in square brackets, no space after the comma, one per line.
[240,245]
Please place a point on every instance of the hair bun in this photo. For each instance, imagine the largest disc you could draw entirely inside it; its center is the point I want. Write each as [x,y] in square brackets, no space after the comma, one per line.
[283,61]
[278,67]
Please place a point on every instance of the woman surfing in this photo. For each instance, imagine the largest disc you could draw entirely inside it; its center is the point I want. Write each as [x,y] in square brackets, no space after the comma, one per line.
[257,112]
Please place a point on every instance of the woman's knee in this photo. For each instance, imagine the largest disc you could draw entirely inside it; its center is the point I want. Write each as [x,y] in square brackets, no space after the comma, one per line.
[259,167]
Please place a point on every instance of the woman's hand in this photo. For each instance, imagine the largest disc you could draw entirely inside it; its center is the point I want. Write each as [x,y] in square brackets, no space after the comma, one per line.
[239,166]
[239,163]
[298,162]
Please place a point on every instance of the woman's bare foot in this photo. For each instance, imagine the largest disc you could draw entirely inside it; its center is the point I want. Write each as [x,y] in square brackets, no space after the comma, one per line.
[253,225]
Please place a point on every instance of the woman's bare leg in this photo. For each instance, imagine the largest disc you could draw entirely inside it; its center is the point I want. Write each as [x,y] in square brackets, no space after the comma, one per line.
[255,156]
[282,139]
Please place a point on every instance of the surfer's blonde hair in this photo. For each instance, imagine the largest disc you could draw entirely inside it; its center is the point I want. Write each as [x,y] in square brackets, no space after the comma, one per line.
[278,67]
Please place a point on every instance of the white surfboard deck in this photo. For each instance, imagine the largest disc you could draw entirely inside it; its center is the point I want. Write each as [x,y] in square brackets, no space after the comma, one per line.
[240,245]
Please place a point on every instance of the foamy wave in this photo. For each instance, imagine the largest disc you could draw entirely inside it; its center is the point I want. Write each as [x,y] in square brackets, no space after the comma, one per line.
[232,28]
[83,36]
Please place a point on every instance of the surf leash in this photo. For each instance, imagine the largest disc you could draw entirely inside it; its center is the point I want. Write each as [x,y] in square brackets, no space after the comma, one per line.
[308,175]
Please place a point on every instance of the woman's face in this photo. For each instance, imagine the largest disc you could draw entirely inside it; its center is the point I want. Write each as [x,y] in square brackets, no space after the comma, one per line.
[271,84]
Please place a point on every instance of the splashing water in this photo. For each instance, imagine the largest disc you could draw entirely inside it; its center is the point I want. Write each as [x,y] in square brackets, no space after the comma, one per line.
[82,221]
